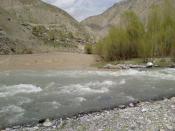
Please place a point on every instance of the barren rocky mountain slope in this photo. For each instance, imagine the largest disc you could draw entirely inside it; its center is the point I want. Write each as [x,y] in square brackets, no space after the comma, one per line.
[14,38]
[99,25]
[29,23]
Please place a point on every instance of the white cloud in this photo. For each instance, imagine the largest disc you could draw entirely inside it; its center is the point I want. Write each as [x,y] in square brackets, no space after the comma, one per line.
[61,3]
[81,9]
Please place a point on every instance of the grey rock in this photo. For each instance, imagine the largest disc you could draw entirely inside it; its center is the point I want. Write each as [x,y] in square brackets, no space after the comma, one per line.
[173,99]
[122,106]
[145,116]
[149,65]
[131,104]
[110,66]
[47,123]
[144,110]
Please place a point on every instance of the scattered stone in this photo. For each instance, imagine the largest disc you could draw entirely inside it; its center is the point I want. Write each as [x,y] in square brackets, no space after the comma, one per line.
[172,66]
[169,127]
[127,66]
[47,123]
[144,110]
[8,129]
[173,99]
[149,65]
[131,104]
[16,127]
[137,66]
[122,106]
[161,130]
[110,66]
[146,115]
[36,128]
[123,66]
[173,106]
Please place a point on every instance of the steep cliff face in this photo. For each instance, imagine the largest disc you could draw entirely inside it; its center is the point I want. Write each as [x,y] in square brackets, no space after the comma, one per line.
[99,25]
[35,23]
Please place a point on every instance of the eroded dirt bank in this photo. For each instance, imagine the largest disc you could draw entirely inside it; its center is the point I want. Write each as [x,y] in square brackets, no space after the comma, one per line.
[49,61]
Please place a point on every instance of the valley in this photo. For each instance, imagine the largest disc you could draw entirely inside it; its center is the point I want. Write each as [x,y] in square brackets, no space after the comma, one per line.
[113,71]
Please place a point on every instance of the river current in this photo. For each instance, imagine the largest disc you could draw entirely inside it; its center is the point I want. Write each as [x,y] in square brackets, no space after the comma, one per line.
[27,96]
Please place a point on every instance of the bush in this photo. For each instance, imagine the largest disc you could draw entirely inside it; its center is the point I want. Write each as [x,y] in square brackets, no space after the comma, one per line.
[89,49]
[38,30]
[161,29]
[132,39]
[122,42]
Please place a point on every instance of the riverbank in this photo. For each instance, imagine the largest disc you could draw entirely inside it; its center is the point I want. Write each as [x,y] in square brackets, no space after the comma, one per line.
[72,61]
[137,63]
[158,115]
[47,61]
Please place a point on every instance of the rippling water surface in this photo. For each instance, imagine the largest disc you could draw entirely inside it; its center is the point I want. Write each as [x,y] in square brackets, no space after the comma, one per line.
[27,96]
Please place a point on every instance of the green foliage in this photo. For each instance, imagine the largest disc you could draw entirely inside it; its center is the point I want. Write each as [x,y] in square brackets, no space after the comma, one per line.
[38,30]
[122,42]
[161,29]
[132,39]
[55,37]
[89,48]
[173,53]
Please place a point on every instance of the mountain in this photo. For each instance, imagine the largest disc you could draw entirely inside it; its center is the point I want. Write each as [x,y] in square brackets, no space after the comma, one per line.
[28,26]
[15,38]
[99,25]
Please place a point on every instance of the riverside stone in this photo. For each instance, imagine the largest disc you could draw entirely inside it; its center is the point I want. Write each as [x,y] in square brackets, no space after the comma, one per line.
[144,116]
[47,123]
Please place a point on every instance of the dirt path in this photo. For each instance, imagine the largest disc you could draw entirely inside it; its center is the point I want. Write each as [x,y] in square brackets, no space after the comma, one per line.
[56,60]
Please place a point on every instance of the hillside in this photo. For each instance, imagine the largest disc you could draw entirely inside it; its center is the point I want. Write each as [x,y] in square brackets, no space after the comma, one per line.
[14,38]
[99,25]
[37,26]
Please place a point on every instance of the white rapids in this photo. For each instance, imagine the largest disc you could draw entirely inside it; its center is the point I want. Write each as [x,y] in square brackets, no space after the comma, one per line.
[27,96]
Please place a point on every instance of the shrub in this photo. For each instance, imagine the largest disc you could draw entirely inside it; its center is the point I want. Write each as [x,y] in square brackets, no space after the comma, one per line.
[122,42]
[132,39]
[89,49]
[38,30]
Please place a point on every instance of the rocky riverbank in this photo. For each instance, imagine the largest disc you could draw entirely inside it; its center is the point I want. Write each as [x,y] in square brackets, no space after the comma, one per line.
[152,116]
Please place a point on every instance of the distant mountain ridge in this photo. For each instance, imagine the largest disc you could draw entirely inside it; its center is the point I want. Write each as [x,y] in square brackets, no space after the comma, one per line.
[29,26]
[99,25]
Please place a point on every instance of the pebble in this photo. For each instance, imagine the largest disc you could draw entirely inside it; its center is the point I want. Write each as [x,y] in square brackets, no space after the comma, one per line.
[173,99]
[161,130]
[131,104]
[122,106]
[155,119]
[173,106]
[47,123]
[169,127]
[36,128]
[144,110]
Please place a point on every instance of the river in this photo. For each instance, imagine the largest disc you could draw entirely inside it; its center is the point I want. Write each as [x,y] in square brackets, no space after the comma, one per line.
[29,96]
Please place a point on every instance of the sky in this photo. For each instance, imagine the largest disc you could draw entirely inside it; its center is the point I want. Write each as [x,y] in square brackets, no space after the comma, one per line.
[81,9]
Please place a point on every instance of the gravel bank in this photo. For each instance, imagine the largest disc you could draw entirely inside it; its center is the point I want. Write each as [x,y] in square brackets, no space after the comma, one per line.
[150,116]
